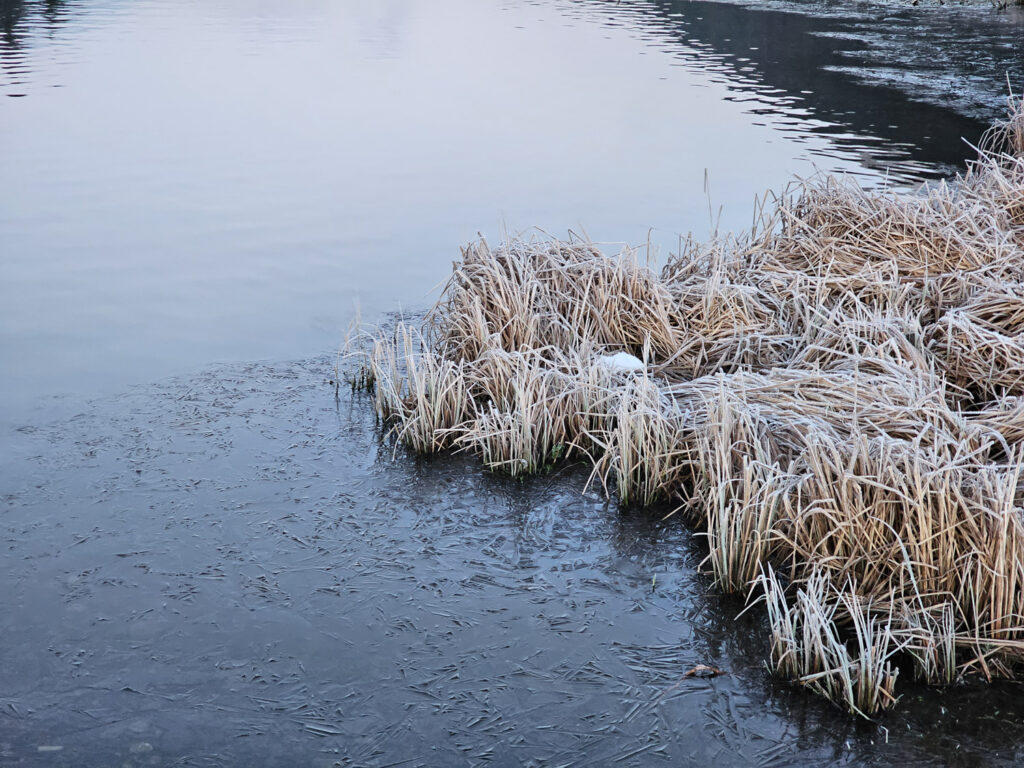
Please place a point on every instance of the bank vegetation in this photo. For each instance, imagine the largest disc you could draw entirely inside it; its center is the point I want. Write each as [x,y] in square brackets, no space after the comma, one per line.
[835,398]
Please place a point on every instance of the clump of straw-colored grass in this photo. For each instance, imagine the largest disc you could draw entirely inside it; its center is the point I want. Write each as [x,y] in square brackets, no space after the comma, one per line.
[836,398]
[981,342]
[809,644]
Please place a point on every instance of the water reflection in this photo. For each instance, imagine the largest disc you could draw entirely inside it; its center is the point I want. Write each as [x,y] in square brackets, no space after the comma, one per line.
[11,58]
[872,86]
[20,22]
[895,90]
[230,178]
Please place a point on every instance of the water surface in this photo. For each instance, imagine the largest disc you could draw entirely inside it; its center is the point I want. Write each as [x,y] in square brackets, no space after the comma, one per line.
[227,565]
[184,182]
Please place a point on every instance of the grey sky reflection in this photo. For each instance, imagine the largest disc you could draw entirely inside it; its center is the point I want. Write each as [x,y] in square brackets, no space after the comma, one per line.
[226,180]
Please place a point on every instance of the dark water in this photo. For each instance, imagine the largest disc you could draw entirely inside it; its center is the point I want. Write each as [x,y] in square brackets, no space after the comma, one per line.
[230,567]
[895,88]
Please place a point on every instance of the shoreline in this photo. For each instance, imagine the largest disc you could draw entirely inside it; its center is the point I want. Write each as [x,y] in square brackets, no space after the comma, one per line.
[836,399]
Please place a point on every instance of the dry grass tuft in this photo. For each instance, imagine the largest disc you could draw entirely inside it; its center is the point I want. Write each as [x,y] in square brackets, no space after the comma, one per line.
[810,646]
[981,342]
[837,398]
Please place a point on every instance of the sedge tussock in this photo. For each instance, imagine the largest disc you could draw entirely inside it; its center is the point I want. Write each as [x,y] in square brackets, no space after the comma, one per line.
[422,396]
[981,342]
[835,397]
[809,644]
[930,639]
[1002,419]
[742,489]
[647,452]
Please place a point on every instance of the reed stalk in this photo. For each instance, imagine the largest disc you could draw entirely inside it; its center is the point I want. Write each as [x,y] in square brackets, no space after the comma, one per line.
[836,398]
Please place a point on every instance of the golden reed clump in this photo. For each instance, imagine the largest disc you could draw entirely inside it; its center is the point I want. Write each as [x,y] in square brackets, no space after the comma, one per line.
[837,398]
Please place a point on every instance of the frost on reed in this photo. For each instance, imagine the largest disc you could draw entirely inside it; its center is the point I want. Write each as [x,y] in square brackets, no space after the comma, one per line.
[836,398]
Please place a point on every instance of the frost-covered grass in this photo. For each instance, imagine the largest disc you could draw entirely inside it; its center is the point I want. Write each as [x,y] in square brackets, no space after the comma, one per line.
[836,398]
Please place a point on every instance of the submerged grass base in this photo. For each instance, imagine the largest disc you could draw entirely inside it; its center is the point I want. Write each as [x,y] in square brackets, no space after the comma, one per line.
[836,397]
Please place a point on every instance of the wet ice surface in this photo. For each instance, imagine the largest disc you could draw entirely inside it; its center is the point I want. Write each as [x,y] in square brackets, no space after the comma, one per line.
[237,569]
